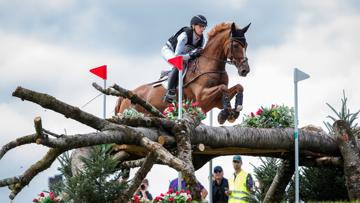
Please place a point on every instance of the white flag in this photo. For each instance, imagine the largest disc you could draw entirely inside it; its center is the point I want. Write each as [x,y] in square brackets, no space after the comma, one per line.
[299,75]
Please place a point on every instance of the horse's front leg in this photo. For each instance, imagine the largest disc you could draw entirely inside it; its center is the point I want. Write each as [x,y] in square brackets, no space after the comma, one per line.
[235,112]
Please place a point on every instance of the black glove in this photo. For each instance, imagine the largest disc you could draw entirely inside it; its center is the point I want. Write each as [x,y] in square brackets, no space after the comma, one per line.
[195,53]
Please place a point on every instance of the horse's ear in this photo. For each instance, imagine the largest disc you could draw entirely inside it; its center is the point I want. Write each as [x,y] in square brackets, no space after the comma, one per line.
[246,28]
[233,28]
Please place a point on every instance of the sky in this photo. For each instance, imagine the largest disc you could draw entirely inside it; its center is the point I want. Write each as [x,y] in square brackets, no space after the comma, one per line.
[49,46]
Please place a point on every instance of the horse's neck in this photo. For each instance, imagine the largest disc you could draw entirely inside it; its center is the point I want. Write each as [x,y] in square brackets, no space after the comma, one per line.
[214,53]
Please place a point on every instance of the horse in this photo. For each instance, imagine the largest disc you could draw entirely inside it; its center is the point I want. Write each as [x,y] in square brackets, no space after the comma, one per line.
[206,80]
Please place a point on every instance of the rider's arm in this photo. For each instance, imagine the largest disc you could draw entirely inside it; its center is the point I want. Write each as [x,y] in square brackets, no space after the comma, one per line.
[181,42]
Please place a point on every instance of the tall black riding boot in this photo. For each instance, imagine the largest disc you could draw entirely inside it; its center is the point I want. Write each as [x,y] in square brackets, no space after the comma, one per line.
[172,81]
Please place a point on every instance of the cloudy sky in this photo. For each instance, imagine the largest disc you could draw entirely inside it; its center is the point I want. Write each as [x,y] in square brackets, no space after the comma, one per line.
[49,46]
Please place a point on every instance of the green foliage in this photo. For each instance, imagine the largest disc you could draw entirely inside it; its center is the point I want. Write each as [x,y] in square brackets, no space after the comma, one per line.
[315,184]
[345,115]
[273,117]
[265,173]
[131,113]
[96,183]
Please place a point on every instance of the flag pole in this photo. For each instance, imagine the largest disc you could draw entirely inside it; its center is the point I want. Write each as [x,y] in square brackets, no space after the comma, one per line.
[298,76]
[210,166]
[104,104]
[178,62]
[180,89]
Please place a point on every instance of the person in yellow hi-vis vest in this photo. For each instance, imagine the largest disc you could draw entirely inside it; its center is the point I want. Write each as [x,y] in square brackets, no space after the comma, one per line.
[240,183]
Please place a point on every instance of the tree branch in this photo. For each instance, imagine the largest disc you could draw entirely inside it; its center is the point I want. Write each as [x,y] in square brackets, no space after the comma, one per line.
[16,184]
[139,176]
[56,105]
[277,188]
[28,139]
[119,91]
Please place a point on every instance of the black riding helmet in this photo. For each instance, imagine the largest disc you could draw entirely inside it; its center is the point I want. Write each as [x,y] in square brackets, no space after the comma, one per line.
[198,20]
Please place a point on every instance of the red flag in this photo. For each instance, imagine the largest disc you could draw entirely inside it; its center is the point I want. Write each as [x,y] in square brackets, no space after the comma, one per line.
[177,61]
[100,71]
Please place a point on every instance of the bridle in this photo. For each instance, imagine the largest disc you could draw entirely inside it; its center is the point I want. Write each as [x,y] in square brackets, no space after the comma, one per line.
[230,59]
[233,60]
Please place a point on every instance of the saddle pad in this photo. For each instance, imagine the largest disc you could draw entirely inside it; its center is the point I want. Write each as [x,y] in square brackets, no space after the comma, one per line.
[163,80]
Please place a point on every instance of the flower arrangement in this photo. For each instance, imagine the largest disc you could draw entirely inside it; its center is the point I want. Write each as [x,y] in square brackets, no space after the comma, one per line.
[50,198]
[270,117]
[175,197]
[137,199]
[189,107]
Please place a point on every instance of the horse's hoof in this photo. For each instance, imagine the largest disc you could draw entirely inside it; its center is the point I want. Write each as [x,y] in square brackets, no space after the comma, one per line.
[234,114]
[231,119]
[222,116]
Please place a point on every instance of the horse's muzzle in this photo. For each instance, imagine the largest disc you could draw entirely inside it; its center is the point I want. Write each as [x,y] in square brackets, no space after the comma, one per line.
[244,69]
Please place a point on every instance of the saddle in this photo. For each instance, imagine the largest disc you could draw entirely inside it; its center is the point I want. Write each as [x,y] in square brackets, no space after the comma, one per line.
[164,75]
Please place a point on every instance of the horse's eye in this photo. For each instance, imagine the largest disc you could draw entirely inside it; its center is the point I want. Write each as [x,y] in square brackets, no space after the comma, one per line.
[236,46]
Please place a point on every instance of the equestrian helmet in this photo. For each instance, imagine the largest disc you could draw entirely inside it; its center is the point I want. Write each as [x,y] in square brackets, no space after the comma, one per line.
[198,20]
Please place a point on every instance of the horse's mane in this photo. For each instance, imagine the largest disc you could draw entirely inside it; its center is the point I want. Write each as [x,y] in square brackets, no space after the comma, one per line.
[217,29]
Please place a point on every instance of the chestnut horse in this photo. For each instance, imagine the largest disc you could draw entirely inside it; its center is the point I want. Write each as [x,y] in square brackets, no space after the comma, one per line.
[206,80]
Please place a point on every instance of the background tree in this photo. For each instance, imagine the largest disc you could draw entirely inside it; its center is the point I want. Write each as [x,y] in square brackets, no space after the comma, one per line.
[316,182]
[97,182]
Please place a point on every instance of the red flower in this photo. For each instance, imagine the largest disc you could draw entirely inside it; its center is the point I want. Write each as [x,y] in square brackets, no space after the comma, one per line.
[158,198]
[252,114]
[177,192]
[259,112]
[136,198]
[171,109]
[171,105]
[162,195]
[188,192]
[195,104]
[170,191]
[51,194]
[41,194]
[189,199]
[171,199]
[182,190]
[35,200]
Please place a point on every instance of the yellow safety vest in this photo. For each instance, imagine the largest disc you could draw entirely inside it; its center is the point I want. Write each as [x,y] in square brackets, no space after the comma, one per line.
[238,187]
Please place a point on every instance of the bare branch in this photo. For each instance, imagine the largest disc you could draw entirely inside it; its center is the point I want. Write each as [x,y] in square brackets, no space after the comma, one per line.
[139,176]
[28,139]
[16,184]
[56,105]
[38,129]
[116,90]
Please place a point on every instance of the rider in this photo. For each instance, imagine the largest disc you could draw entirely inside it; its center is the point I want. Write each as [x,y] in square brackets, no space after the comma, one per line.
[187,42]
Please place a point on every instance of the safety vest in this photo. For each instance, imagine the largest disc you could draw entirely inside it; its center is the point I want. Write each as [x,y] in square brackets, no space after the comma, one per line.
[238,187]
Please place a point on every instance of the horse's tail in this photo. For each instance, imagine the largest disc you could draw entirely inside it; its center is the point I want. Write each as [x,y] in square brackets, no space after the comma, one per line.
[118,105]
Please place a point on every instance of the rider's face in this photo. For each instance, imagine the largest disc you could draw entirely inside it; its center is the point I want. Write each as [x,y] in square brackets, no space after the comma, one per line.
[199,29]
